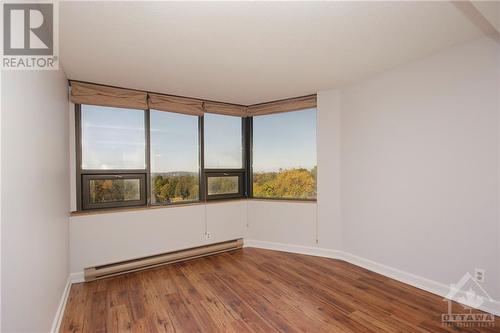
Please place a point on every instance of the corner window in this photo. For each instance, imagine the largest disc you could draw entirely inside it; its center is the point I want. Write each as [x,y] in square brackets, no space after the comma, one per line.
[134,157]
[284,155]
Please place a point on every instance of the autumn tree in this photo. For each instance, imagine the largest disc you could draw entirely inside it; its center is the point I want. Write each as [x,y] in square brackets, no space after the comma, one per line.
[109,190]
[171,188]
[292,183]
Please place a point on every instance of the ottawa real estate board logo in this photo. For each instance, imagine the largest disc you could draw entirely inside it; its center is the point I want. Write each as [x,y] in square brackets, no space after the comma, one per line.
[29,41]
[471,295]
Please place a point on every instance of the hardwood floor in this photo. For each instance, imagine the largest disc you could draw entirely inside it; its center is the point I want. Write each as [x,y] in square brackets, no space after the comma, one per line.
[254,290]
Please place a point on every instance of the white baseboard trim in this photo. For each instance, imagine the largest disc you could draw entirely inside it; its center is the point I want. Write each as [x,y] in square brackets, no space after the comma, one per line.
[417,281]
[76,277]
[420,282]
[56,323]
[301,249]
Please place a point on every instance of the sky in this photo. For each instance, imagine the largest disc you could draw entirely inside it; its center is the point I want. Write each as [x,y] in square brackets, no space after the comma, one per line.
[114,138]
[284,141]
[223,141]
[174,142]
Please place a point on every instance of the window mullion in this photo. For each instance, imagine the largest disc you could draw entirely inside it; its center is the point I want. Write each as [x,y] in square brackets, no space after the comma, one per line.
[147,123]
[78,157]
[201,147]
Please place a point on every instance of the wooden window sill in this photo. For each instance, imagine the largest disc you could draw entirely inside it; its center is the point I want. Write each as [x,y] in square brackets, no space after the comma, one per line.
[178,205]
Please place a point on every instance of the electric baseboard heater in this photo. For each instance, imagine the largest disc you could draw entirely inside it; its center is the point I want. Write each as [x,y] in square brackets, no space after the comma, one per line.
[105,271]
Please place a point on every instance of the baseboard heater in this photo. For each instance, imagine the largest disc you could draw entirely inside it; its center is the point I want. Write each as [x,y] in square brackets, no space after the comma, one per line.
[105,271]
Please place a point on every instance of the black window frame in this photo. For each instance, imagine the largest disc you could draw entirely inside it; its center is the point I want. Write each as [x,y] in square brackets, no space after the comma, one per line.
[227,173]
[82,194]
[82,189]
[113,176]
[242,173]
[200,166]
[245,173]
[250,168]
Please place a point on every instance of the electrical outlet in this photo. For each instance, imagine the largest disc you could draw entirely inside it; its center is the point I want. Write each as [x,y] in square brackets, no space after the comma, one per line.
[208,235]
[479,274]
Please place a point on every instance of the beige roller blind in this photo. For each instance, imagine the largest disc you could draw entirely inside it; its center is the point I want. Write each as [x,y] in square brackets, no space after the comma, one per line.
[175,104]
[225,109]
[292,104]
[87,93]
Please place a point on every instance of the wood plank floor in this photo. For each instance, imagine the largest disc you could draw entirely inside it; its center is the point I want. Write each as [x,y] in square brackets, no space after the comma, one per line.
[254,290]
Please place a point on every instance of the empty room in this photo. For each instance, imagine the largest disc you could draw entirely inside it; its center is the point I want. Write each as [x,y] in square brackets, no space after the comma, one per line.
[250,166]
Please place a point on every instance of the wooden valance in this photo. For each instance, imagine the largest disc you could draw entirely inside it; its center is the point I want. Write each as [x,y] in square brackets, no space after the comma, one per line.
[87,93]
[225,109]
[286,105]
[176,104]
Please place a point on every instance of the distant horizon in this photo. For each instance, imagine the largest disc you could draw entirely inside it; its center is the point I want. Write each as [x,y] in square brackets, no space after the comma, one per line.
[115,140]
[284,141]
[284,169]
[254,171]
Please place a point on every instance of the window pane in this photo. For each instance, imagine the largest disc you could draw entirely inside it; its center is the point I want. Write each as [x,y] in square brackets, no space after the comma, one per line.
[223,185]
[112,138]
[284,155]
[223,146]
[114,190]
[174,157]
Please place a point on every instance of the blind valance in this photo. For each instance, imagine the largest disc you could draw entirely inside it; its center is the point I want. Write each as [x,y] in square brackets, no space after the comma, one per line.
[176,104]
[225,109]
[87,93]
[292,104]
[94,94]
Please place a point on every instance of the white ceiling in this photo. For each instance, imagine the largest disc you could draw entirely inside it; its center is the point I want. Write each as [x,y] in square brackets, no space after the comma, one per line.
[249,52]
[490,10]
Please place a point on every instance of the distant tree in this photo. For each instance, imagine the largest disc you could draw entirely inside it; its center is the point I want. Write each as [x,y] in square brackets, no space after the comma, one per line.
[186,187]
[293,183]
[171,188]
[113,190]
[221,185]
[296,183]
[314,173]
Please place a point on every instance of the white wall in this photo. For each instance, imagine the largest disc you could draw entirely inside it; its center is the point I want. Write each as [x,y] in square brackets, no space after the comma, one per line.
[408,171]
[35,198]
[329,186]
[419,166]
[282,222]
[110,237]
